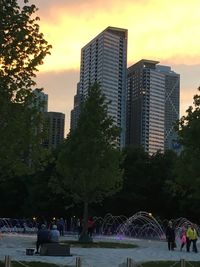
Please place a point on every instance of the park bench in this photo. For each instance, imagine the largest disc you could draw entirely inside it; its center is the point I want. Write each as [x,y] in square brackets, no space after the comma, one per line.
[55,249]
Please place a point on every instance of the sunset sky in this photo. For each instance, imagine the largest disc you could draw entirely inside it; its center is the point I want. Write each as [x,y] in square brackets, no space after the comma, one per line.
[163,30]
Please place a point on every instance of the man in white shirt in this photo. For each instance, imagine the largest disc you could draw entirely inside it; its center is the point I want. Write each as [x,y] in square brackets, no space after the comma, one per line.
[54,234]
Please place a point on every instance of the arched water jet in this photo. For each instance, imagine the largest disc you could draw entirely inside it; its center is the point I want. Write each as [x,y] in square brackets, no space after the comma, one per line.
[111,223]
[142,225]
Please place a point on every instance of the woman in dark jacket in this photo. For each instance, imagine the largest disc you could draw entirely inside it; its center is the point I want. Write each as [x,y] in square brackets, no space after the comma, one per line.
[170,235]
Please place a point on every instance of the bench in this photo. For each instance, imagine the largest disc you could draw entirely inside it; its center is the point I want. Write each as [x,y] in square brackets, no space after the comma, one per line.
[55,249]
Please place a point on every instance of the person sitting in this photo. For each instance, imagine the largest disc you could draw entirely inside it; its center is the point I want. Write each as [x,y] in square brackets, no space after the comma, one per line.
[54,234]
[42,237]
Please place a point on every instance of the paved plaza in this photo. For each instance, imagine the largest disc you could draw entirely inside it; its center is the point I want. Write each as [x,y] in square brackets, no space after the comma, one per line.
[15,245]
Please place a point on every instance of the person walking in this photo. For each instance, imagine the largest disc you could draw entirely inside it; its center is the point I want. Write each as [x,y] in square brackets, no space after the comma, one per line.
[90,226]
[183,238]
[61,226]
[194,238]
[170,236]
[188,237]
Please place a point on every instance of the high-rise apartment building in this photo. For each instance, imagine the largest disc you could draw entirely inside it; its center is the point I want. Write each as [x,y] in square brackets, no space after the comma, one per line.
[55,129]
[152,91]
[104,60]
[172,105]
[42,100]
[75,112]
[54,122]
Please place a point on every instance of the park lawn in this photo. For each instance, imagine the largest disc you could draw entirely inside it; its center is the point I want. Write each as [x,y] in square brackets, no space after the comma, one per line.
[31,264]
[145,264]
[99,244]
[169,264]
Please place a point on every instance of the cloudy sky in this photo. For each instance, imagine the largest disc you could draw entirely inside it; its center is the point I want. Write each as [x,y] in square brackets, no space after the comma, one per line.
[163,30]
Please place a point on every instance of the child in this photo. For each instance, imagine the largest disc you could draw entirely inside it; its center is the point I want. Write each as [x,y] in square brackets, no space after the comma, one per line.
[183,237]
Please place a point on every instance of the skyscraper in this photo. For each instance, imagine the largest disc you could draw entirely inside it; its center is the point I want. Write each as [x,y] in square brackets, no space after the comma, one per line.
[104,60]
[42,100]
[152,91]
[172,105]
[54,122]
[55,129]
[75,112]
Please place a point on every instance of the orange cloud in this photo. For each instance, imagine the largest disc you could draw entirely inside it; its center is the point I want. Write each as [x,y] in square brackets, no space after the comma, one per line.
[157,29]
[167,31]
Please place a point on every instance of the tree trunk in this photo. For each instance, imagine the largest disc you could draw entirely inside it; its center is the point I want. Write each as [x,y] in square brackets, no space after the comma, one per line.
[84,237]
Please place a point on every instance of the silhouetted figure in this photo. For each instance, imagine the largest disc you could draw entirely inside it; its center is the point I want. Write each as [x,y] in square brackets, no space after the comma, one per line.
[90,226]
[42,237]
[61,226]
[170,235]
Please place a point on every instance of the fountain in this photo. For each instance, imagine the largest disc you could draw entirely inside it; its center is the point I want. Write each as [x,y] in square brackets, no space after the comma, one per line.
[9,225]
[142,225]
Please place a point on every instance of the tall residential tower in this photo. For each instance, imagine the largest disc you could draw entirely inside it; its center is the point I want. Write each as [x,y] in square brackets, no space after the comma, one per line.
[55,125]
[104,60]
[172,105]
[152,106]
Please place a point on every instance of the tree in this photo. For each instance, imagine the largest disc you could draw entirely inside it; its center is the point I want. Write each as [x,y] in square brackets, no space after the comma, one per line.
[161,174]
[90,161]
[22,49]
[187,184]
[188,127]
[136,165]
[145,177]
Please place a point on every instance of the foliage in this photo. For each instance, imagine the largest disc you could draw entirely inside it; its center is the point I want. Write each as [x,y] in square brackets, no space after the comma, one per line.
[89,161]
[22,49]
[145,177]
[13,189]
[135,165]
[187,183]
[189,126]
[161,174]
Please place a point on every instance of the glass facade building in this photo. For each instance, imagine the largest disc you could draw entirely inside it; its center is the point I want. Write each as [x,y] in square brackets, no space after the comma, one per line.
[55,125]
[149,115]
[104,60]
[172,105]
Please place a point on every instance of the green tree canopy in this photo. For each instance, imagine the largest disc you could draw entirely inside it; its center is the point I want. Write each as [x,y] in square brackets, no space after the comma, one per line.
[189,126]
[145,177]
[90,161]
[188,168]
[22,50]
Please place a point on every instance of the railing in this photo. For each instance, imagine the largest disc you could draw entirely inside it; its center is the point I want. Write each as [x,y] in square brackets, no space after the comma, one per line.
[7,262]
[129,263]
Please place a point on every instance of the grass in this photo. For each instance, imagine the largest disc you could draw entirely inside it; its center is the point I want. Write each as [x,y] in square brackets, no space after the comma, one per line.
[30,264]
[99,244]
[169,264]
[146,264]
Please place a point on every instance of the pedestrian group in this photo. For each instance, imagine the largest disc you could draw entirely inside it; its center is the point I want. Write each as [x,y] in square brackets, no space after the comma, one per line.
[188,237]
